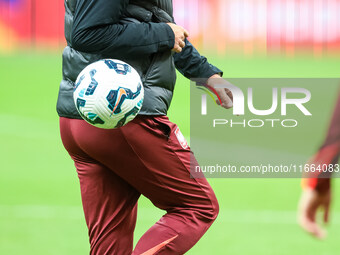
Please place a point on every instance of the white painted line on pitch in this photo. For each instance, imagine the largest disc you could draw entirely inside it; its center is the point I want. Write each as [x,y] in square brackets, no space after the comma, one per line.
[151,214]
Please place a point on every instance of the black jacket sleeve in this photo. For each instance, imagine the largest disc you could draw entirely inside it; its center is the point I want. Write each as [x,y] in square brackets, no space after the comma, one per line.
[96,29]
[192,65]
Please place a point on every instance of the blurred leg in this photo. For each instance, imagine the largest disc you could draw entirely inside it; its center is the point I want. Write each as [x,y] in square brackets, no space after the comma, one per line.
[328,154]
[333,134]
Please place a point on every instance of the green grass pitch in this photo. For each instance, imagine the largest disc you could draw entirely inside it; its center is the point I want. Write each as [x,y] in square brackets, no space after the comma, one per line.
[40,206]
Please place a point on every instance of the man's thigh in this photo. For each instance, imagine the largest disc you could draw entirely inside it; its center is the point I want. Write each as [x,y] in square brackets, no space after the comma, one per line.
[109,202]
[149,154]
[165,160]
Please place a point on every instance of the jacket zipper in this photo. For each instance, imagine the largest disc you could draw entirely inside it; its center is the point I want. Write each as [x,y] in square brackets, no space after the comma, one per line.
[150,67]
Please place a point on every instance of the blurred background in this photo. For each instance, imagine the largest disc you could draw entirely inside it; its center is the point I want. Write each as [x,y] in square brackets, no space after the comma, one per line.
[40,206]
[249,27]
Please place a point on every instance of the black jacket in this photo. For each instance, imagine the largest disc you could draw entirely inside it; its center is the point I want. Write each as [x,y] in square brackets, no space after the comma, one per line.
[133,31]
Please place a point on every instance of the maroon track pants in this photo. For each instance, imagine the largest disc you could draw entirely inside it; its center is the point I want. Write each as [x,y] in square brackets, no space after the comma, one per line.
[143,157]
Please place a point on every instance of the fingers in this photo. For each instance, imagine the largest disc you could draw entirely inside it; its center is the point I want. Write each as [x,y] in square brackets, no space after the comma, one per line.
[230,95]
[177,48]
[181,44]
[309,205]
[180,35]
[219,86]
[226,100]
[312,228]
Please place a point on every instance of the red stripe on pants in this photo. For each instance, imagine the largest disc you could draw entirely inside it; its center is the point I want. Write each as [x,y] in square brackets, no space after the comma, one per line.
[143,157]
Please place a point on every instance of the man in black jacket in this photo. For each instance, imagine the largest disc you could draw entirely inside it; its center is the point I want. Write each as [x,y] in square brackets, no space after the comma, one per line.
[149,155]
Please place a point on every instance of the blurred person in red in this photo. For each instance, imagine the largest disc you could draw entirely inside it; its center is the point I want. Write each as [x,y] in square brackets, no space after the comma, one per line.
[317,190]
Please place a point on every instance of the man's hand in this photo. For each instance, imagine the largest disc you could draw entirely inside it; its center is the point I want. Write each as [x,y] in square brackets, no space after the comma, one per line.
[224,94]
[310,202]
[180,35]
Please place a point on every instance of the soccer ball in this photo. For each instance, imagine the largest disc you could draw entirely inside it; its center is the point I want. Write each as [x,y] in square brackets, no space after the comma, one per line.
[108,93]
